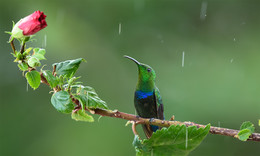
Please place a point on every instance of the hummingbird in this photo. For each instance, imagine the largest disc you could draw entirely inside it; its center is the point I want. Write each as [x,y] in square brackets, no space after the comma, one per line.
[147,99]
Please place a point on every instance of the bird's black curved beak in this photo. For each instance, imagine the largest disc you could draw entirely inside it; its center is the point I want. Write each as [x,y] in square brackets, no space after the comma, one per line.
[138,63]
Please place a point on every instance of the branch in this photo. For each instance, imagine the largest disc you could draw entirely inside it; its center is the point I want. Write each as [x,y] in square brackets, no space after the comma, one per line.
[165,123]
[156,122]
[152,121]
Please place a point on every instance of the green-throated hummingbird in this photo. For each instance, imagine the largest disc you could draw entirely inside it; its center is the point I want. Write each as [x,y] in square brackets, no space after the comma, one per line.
[147,99]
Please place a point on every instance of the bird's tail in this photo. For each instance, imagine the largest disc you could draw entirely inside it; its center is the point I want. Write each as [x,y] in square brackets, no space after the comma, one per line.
[149,129]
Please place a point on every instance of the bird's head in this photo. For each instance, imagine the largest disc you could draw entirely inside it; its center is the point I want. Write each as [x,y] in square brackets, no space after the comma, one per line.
[146,73]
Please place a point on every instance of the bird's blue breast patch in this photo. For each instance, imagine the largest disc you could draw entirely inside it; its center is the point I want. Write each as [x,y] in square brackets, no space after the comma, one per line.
[143,95]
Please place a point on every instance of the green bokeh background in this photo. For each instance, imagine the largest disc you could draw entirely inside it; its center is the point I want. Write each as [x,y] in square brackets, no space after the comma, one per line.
[219,83]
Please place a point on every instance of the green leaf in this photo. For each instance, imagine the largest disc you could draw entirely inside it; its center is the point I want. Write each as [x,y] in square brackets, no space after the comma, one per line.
[52,80]
[33,62]
[23,66]
[68,68]
[91,98]
[82,99]
[173,141]
[33,78]
[96,102]
[39,56]
[137,143]
[244,134]
[39,53]
[62,102]
[248,125]
[27,51]
[246,129]
[81,115]
[18,56]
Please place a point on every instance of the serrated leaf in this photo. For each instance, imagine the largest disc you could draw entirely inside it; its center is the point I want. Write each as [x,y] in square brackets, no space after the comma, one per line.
[244,134]
[27,51]
[248,125]
[39,51]
[52,80]
[39,56]
[33,78]
[62,102]
[173,141]
[34,62]
[88,97]
[23,66]
[93,101]
[68,68]
[246,129]
[96,102]
[81,115]
[82,99]
[137,143]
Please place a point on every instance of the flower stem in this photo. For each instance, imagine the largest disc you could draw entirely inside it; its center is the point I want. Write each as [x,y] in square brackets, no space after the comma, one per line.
[13,47]
[22,47]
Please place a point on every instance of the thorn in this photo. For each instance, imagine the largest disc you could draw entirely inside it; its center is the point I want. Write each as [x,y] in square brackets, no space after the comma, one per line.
[172,118]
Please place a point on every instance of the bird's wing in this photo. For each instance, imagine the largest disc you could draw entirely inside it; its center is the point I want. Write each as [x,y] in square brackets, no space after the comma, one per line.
[160,113]
[157,111]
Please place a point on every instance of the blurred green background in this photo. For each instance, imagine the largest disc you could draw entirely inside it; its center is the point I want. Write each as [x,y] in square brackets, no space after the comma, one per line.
[218,84]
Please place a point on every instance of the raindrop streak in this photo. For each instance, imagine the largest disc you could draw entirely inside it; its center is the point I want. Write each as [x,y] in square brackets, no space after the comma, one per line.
[99,118]
[27,87]
[218,124]
[182,62]
[234,39]
[203,10]
[119,29]
[231,60]
[44,44]
[186,144]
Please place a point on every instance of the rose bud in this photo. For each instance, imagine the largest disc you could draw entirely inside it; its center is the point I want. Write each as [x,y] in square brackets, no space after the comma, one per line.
[29,25]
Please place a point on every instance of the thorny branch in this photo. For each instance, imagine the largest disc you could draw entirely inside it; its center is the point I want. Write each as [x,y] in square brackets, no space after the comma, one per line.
[157,122]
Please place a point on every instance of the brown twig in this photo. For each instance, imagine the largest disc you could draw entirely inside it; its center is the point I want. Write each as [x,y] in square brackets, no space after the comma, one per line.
[165,123]
[53,71]
[12,45]
[134,128]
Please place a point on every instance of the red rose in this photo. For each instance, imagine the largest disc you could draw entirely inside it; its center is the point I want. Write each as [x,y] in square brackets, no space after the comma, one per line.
[29,25]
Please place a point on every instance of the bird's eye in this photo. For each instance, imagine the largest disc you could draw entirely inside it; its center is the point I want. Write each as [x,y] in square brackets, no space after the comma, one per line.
[149,69]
